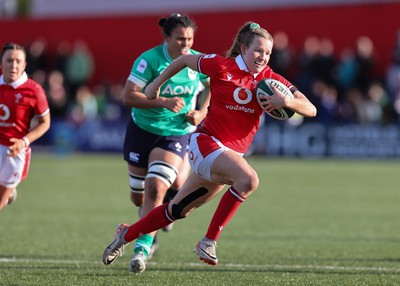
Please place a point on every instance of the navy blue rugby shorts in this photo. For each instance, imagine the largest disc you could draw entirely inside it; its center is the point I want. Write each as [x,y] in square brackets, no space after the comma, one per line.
[139,143]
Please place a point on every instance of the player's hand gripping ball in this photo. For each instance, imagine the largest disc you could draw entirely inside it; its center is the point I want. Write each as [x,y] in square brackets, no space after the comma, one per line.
[264,88]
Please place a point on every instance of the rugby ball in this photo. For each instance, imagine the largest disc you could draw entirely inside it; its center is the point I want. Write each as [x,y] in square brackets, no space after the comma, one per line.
[264,88]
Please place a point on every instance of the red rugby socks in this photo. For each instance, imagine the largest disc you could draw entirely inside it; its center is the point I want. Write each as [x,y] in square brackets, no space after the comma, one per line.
[154,220]
[227,207]
[159,217]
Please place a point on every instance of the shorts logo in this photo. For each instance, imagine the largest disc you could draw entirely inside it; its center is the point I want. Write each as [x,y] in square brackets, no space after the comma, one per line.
[192,158]
[178,147]
[134,157]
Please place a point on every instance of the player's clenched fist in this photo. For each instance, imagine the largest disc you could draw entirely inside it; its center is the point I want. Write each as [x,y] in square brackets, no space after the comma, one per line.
[152,91]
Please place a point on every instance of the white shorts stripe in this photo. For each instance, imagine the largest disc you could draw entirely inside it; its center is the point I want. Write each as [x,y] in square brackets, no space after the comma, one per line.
[202,165]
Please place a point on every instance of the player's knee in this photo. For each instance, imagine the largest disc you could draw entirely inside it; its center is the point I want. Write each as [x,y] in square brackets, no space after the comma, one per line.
[254,181]
[137,199]
[155,192]
[248,182]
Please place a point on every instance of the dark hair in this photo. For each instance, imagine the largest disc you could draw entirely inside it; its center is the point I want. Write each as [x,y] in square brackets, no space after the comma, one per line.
[245,36]
[12,46]
[176,20]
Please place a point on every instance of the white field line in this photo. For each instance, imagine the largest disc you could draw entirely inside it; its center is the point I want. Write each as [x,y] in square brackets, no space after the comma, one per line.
[222,265]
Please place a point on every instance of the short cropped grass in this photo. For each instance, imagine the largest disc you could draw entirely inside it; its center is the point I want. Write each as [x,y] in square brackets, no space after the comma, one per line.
[311,222]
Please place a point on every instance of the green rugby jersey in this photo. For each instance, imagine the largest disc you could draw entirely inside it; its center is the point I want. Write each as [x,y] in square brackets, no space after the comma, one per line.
[185,84]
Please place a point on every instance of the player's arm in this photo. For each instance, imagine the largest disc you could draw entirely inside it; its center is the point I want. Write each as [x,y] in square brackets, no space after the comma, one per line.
[40,128]
[152,90]
[43,124]
[205,98]
[133,96]
[195,117]
[300,104]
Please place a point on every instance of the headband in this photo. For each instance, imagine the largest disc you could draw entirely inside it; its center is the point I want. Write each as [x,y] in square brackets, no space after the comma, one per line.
[254,26]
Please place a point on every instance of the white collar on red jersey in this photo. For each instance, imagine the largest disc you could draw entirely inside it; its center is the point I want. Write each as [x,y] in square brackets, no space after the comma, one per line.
[242,65]
[240,62]
[18,82]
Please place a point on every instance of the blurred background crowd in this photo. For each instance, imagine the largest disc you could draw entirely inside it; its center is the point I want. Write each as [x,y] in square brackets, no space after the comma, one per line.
[346,88]
[67,79]
[343,54]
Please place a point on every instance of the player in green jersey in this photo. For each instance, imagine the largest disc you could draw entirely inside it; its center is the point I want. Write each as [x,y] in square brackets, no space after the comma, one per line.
[156,139]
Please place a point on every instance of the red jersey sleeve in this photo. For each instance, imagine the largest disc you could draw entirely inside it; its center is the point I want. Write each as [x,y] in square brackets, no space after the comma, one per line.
[210,64]
[41,107]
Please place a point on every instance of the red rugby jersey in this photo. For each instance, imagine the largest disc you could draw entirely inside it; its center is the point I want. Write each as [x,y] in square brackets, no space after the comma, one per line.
[20,101]
[234,113]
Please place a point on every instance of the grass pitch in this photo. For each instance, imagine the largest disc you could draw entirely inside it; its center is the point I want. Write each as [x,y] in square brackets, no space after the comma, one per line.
[311,222]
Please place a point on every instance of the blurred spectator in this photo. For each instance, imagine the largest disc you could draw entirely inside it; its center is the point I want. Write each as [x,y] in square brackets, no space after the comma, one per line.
[347,113]
[85,107]
[393,77]
[115,109]
[79,67]
[346,70]
[378,97]
[62,53]
[37,58]
[307,63]
[372,105]
[369,107]
[57,95]
[326,102]
[366,63]
[101,93]
[282,55]
[109,102]
[355,111]
[40,77]
[326,62]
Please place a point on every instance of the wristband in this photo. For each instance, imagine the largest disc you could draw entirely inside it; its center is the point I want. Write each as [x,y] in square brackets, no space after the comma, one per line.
[26,141]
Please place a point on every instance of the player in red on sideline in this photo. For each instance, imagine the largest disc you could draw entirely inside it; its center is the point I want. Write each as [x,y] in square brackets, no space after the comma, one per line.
[217,147]
[21,99]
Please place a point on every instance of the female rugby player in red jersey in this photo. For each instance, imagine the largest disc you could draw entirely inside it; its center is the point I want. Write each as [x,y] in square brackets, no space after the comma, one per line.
[217,147]
[21,99]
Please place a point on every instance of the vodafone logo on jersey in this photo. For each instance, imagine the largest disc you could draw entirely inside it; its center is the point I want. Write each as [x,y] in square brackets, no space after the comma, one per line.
[4,112]
[242,96]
